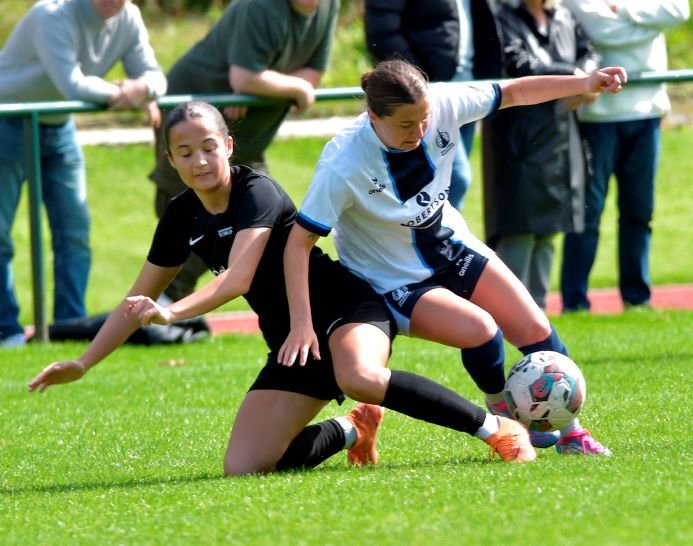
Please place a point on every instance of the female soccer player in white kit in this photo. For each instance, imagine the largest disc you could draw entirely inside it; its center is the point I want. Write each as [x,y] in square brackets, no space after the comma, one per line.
[382,184]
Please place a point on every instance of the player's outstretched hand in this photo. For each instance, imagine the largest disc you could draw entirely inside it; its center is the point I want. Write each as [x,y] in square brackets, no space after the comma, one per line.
[610,79]
[57,374]
[297,345]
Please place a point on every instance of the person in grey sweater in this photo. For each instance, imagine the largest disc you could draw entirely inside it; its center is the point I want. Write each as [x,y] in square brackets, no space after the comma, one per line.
[62,49]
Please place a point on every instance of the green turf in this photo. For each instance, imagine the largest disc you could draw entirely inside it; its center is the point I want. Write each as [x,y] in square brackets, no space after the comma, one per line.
[132,454]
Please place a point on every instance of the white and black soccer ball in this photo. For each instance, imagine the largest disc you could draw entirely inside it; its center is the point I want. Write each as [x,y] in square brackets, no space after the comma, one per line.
[545,391]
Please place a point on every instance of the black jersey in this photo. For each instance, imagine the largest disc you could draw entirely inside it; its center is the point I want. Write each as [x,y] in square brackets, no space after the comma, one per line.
[255,201]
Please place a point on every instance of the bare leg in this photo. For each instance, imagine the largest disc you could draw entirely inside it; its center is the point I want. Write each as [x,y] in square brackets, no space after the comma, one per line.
[266,423]
[360,353]
[443,317]
[502,294]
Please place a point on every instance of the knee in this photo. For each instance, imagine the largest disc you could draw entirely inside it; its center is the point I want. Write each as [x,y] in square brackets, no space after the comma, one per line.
[364,383]
[536,329]
[236,466]
[231,469]
[240,461]
[484,329]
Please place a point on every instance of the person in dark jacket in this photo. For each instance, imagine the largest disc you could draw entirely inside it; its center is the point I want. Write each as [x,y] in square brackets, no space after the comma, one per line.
[533,161]
[448,44]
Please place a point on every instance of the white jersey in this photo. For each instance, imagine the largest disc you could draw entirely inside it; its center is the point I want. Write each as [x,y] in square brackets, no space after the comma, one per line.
[393,224]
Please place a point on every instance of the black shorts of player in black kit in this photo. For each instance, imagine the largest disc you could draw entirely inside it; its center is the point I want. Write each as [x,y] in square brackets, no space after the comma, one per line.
[337,298]
[460,277]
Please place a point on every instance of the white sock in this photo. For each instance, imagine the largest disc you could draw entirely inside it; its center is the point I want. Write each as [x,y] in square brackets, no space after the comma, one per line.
[489,427]
[349,431]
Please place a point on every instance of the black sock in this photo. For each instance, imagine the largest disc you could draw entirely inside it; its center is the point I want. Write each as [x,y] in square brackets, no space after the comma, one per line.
[486,364]
[421,398]
[551,343]
[313,445]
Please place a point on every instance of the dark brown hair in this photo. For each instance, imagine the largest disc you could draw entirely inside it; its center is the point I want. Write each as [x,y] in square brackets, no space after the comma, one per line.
[194,109]
[391,84]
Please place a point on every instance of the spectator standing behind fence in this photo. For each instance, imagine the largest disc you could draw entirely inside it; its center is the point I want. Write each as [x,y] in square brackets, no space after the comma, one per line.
[533,162]
[623,138]
[61,49]
[450,40]
[269,48]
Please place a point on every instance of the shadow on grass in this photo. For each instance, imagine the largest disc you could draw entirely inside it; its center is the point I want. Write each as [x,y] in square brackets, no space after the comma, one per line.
[399,466]
[58,488]
[92,486]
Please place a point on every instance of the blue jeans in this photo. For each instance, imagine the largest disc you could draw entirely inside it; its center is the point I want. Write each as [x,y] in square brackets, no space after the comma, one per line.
[630,151]
[65,200]
[461,177]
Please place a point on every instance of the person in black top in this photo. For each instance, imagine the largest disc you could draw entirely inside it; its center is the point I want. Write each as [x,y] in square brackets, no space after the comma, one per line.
[237,221]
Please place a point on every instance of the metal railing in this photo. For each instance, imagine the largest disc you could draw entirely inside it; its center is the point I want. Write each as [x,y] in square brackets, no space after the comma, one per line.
[30,112]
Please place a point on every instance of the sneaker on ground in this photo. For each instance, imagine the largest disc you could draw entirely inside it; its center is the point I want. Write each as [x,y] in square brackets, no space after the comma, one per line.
[580,441]
[511,441]
[366,419]
[15,340]
[538,439]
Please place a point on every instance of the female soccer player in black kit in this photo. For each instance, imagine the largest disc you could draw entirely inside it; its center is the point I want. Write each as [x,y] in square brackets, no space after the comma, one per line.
[237,220]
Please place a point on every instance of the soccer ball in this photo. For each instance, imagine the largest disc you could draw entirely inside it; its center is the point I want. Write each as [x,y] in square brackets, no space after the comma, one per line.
[545,391]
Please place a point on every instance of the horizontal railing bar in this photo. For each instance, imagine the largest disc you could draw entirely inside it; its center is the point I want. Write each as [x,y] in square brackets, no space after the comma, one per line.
[227,99]
[30,112]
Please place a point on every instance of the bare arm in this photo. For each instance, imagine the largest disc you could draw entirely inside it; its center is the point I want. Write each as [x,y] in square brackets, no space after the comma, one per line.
[244,258]
[118,327]
[301,338]
[298,87]
[140,307]
[537,89]
[311,75]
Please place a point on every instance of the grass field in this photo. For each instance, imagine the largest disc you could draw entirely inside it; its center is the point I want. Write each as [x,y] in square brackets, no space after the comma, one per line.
[132,454]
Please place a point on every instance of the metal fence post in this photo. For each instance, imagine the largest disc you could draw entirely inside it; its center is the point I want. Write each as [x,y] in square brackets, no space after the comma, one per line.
[32,160]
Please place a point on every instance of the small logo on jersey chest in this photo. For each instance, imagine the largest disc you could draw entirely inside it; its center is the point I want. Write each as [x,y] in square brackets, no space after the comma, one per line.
[225,232]
[423,199]
[193,241]
[378,186]
[444,142]
[430,205]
